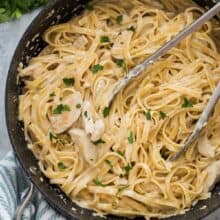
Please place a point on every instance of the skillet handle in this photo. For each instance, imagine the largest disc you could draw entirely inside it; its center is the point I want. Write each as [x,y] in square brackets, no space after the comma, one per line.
[25,201]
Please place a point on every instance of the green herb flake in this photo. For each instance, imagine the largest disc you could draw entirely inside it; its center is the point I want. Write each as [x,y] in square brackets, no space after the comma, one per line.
[97,182]
[109,163]
[68,81]
[89,7]
[105,112]
[127,168]
[105,39]
[119,19]
[162,115]
[132,28]
[100,141]
[52,94]
[120,153]
[148,115]
[61,166]
[86,114]
[52,136]
[187,103]
[122,63]
[131,138]
[78,106]
[96,68]
[60,109]
[119,62]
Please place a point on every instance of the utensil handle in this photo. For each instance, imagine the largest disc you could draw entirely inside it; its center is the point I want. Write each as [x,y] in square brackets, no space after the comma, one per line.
[164,49]
[201,122]
[24,203]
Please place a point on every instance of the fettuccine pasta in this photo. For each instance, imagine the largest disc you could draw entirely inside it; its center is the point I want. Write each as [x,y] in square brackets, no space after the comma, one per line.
[116,160]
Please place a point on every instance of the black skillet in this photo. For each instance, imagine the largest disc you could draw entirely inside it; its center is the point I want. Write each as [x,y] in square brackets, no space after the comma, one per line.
[30,45]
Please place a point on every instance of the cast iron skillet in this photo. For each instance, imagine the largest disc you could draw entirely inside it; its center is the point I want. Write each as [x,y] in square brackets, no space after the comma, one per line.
[30,45]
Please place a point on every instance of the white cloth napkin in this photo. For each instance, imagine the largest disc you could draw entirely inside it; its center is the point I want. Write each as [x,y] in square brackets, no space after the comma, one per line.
[13,186]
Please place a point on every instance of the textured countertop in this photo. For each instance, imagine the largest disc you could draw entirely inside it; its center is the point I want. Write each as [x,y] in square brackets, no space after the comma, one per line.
[10,33]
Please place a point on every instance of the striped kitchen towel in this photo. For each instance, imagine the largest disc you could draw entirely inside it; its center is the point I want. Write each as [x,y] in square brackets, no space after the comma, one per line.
[13,186]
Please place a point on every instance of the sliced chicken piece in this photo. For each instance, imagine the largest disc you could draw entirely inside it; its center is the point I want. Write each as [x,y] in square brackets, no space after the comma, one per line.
[94,128]
[213,176]
[121,181]
[33,70]
[100,85]
[105,57]
[119,44]
[69,58]
[61,122]
[87,149]
[205,148]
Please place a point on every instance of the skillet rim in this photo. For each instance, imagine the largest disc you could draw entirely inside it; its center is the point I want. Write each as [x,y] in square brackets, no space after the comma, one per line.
[61,208]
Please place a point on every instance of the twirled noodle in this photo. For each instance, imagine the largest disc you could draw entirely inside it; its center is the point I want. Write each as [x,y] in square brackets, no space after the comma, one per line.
[116,161]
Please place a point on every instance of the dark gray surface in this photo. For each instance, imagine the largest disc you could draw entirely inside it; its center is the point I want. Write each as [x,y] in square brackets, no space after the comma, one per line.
[10,34]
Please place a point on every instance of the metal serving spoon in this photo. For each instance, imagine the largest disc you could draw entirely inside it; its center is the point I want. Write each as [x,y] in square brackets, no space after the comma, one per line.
[201,123]
[173,42]
[136,71]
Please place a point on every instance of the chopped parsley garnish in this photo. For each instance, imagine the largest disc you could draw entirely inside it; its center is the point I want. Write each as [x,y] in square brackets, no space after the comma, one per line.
[100,141]
[119,19]
[131,138]
[52,94]
[96,68]
[109,163]
[127,168]
[89,7]
[61,166]
[106,111]
[162,115]
[148,115]
[120,153]
[120,62]
[97,182]
[132,28]
[60,109]
[105,39]
[52,136]
[86,114]
[14,9]
[78,106]
[187,103]
[68,81]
